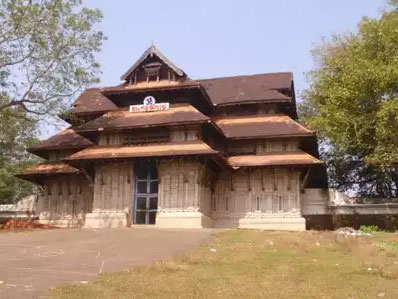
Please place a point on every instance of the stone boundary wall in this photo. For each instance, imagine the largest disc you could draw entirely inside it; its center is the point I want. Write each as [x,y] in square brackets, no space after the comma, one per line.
[26,208]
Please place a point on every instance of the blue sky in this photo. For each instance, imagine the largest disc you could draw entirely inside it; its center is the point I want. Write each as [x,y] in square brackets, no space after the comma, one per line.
[212,38]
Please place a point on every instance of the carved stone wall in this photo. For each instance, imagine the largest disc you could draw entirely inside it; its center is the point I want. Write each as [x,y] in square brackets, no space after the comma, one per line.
[64,201]
[113,195]
[113,186]
[184,194]
[258,198]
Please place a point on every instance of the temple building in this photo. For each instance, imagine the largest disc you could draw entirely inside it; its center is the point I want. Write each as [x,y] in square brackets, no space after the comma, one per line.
[163,149]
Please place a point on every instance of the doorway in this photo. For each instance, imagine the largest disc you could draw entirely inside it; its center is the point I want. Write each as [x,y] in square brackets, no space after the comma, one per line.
[146,193]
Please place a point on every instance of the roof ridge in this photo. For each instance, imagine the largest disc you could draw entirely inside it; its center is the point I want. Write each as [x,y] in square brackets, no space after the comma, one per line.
[250,75]
[101,88]
[172,105]
[97,146]
[251,115]
[51,163]
[283,153]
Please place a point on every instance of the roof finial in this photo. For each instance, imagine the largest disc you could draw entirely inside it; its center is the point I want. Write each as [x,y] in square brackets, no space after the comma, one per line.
[152,45]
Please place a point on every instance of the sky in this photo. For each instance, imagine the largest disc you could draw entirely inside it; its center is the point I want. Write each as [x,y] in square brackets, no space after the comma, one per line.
[215,38]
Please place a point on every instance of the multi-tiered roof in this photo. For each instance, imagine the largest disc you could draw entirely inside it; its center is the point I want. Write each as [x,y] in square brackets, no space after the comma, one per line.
[229,109]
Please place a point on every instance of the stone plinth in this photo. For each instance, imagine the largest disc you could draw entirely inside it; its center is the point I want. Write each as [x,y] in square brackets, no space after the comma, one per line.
[183,220]
[104,218]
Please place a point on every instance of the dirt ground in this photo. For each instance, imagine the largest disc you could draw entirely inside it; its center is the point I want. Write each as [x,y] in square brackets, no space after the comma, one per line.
[32,262]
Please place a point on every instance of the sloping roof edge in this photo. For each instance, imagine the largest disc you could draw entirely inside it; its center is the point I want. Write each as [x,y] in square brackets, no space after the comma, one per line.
[234,126]
[273,159]
[248,89]
[151,150]
[177,114]
[91,101]
[290,74]
[57,142]
[49,168]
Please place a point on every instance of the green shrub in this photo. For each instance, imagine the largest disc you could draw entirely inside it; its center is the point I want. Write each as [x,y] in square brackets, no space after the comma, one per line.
[369,229]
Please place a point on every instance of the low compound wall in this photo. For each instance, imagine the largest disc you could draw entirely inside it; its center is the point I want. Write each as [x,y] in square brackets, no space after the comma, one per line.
[24,209]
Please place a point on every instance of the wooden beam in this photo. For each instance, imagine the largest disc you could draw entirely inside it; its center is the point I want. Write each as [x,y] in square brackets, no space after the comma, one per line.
[303,183]
[87,176]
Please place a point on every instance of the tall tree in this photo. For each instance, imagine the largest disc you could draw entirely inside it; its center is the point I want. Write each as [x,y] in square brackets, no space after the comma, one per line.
[353,103]
[47,53]
[17,131]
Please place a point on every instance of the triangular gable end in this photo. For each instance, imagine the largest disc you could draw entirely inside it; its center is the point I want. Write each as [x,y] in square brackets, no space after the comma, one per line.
[153,65]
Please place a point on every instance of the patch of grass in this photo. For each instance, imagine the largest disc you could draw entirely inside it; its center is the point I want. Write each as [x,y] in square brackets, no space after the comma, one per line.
[257,264]
[369,229]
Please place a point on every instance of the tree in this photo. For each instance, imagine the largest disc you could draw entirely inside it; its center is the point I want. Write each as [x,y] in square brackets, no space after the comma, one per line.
[352,102]
[47,53]
[13,157]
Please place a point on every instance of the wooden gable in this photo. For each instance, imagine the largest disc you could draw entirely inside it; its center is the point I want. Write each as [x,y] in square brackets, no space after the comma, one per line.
[153,66]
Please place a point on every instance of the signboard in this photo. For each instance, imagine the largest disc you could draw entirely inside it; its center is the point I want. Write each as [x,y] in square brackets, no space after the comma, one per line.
[149,105]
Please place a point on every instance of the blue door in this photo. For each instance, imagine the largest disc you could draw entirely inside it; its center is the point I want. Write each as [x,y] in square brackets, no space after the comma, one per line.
[146,193]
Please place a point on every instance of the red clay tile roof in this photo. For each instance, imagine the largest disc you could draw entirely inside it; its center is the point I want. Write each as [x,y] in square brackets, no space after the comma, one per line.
[92,100]
[50,168]
[273,159]
[221,91]
[123,119]
[248,89]
[262,125]
[186,148]
[66,139]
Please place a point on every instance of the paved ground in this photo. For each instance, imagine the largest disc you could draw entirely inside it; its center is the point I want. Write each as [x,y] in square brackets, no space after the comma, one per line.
[33,262]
